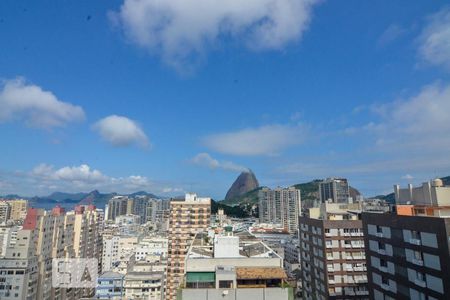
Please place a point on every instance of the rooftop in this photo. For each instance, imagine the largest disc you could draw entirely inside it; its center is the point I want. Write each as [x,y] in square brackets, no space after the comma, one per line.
[260,273]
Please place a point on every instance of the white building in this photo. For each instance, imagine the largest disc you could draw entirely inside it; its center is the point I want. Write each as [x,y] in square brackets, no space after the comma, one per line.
[151,246]
[280,206]
[432,193]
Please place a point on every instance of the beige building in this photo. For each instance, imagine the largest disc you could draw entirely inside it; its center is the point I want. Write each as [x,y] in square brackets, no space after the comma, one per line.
[18,209]
[187,217]
[15,210]
[143,285]
[432,193]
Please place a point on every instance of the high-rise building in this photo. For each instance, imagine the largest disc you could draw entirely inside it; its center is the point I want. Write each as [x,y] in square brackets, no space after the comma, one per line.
[188,216]
[5,211]
[334,190]
[8,237]
[332,252]
[117,206]
[408,250]
[280,206]
[19,268]
[19,209]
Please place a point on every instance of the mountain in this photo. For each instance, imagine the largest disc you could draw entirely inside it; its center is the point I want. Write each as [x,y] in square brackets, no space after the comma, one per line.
[245,183]
[69,200]
[309,193]
[250,197]
[60,196]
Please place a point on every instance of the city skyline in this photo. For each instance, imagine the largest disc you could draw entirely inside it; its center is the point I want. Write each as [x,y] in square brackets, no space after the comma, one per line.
[93,96]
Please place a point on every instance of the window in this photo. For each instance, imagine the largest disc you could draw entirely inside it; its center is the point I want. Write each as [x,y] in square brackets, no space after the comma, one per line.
[225,284]
[383,263]
[381,246]
[379,229]
[384,281]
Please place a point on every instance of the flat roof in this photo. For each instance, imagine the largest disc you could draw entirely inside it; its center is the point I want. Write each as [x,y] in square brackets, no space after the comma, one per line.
[260,273]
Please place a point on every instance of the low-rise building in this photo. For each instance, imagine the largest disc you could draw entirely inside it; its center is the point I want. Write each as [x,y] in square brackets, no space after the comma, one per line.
[110,285]
[144,285]
[233,267]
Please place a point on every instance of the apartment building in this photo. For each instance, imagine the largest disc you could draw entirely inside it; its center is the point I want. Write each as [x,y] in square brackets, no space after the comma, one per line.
[408,256]
[334,190]
[332,253]
[110,285]
[144,285]
[280,206]
[15,209]
[117,206]
[408,249]
[187,217]
[8,237]
[19,268]
[233,267]
[19,209]
[5,211]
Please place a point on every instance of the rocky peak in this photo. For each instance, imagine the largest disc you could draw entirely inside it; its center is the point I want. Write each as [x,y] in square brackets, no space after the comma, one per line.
[245,182]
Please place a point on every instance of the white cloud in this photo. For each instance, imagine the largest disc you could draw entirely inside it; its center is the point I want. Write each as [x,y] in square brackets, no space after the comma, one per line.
[121,131]
[435,39]
[204,159]
[408,177]
[182,30]
[265,140]
[171,190]
[74,174]
[421,122]
[37,108]
[393,32]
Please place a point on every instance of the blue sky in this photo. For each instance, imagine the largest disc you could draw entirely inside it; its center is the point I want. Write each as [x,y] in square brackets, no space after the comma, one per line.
[174,96]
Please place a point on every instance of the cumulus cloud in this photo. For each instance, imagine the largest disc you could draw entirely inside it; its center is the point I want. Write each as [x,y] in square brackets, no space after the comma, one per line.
[408,177]
[46,178]
[27,102]
[205,160]
[182,30]
[264,140]
[121,131]
[435,39]
[75,174]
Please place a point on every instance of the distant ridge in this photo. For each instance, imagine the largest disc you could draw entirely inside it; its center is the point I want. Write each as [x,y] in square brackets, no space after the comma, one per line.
[69,200]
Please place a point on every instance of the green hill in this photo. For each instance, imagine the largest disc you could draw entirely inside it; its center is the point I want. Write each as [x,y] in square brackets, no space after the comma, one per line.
[232,211]
[247,198]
